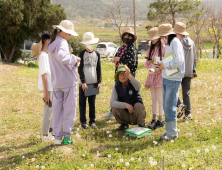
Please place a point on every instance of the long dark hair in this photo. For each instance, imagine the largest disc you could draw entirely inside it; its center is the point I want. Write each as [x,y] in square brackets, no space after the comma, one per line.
[158,43]
[170,38]
[54,34]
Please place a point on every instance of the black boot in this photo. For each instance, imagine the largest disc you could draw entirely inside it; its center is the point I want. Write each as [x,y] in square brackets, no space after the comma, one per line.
[152,124]
[158,125]
[122,127]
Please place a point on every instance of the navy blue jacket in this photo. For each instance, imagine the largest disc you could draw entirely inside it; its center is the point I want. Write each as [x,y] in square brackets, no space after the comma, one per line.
[128,95]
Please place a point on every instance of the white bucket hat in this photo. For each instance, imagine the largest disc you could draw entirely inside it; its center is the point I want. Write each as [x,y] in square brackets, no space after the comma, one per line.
[89,38]
[67,27]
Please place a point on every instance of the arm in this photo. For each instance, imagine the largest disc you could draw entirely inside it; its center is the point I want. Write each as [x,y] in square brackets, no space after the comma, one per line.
[178,53]
[64,56]
[80,68]
[44,82]
[195,55]
[135,83]
[114,101]
[98,69]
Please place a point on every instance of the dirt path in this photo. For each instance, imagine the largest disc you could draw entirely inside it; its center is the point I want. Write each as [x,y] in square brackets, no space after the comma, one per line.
[8,68]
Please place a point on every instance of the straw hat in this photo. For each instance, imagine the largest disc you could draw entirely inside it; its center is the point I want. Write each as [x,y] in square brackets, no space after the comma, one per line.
[129,30]
[67,27]
[88,38]
[152,34]
[180,28]
[164,30]
[36,49]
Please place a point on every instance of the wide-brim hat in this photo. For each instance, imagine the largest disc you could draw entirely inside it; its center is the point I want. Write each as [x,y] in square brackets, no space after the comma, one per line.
[164,30]
[88,38]
[36,49]
[119,69]
[130,31]
[67,27]
[152,34]
[180,28]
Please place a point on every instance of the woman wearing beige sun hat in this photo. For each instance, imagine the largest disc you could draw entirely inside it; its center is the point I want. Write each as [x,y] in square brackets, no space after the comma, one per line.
[171,83]
[154,79]
[190,63]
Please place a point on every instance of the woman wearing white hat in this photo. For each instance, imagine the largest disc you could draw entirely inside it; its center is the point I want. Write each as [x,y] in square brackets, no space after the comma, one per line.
[171,82]
[90,73]
[64,79]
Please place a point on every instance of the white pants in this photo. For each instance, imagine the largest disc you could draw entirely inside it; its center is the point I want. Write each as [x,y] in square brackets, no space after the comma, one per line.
[156,95]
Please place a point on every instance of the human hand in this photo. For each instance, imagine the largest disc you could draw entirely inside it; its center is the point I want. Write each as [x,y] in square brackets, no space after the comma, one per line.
[127,73]
[115,59]
[130,108]
[98,86]
[84,87]
[46,98]
[149,61]
[78,61]
[157,70]
[160,65]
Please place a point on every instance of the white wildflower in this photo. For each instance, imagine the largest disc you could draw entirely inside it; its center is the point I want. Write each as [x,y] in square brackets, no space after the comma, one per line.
[121,160]
[83,155]
[183,166]
[109,156]
[213,147]
[127,163]
[43,167]
[38,136]
[110,135]
[116,149]
[198,151]
[33,159]
[37,166]
[132,159]
[206,150]
[172,141]
[162,151]
[183,152]
[151,158]
[155,142]
[23,157]
[155,163]
[91,165]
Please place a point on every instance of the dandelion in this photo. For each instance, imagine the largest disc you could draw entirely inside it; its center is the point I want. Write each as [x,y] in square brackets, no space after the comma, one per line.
[52,151]
[162,151]
[155,163]
[116,149]
[183,152]
[93,133]
[77,129]
[208,131]
[107,132]
[33,159]
[213,147]
[151,158]
[183,166]
[83,155]
[127,163]
[186,122]
[132,159]
[91,165]
[155,142]
[110,135]
[216,137]
[37,166]
[166,137]
[126,138]
[201,163]
[85,166]
[109,156]
[198,151]
[121,160]
[206,150]
[140,159]
[172,141]
[42,167]
[98,154]
[38,136]
[23,157]
[190,134]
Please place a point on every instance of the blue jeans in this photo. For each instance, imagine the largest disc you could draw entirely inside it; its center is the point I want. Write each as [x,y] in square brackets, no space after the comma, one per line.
[170,97]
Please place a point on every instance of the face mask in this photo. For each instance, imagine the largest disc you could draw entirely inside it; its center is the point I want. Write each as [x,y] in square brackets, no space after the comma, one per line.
[89,46]
[127,40]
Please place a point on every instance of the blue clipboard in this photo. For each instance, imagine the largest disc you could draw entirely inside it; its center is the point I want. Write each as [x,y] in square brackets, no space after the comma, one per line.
[92,90]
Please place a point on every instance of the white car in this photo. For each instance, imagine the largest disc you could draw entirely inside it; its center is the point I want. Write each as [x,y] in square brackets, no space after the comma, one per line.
[107,49]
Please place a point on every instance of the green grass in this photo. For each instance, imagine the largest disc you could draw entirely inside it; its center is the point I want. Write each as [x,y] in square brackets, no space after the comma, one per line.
[21,119]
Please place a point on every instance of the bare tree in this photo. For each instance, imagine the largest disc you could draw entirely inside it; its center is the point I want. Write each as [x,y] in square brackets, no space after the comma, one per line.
[119,15]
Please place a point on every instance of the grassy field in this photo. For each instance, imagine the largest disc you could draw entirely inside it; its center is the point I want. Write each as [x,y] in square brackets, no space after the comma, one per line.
[198,146]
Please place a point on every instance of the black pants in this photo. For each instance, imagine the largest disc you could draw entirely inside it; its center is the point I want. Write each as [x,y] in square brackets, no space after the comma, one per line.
[186,81]
[82,107]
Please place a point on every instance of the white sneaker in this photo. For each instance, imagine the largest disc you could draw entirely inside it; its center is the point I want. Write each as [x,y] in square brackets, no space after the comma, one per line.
[181,110]
[48,138]
[186,118]
[108,115]
[57,142]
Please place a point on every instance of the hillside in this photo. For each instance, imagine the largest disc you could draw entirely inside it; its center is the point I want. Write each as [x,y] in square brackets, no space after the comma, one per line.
[76,9]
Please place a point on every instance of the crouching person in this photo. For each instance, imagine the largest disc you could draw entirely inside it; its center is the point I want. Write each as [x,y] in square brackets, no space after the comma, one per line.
[126,102]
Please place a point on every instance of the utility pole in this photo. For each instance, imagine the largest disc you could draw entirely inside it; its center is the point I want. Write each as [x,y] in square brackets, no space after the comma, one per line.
[134,10]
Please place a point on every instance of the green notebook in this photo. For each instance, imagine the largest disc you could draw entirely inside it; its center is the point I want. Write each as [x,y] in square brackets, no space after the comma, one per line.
[138,132]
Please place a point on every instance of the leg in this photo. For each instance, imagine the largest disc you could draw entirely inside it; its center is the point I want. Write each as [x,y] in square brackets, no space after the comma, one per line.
[178,102]
[47,114]
[121,115]
[69,105]
[82,105]
[57,109]
[140,114]
[186,94]
[160,101]
[91,102]
[154,102]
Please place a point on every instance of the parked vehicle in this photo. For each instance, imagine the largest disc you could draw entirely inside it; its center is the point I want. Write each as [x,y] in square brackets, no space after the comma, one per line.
[143,46]
[107,49]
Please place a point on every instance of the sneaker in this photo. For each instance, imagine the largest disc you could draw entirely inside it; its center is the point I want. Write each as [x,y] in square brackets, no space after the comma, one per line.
[152,124]
[158,124]
[108,115]
[181,110]
[84,126]
[57,142]
[187,117]
[164,137]
[67,140]
[122,127]
[48,138]
[93,125]
[142,125]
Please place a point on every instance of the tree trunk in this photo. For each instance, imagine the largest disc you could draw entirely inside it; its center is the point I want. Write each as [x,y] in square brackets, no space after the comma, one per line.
[213,49]
[8,57]
[218,50]
[173,17]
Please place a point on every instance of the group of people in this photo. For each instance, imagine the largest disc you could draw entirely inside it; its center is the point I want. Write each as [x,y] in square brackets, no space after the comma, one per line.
[58,80]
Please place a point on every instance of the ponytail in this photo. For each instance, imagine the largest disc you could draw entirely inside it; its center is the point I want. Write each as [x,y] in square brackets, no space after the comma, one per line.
[54,34]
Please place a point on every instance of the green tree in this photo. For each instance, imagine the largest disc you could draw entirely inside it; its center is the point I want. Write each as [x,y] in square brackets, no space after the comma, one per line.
[168,10]
[75,44]
[25,19]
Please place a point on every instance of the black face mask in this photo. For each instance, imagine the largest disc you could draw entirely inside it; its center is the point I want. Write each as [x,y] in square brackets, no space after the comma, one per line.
[127,40]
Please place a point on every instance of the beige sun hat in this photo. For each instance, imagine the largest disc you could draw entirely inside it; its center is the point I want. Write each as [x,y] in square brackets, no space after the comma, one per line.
[129,30]
[152,34]
[67,27]
[36,49]
[180,28]
[88,38]
[164,30]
